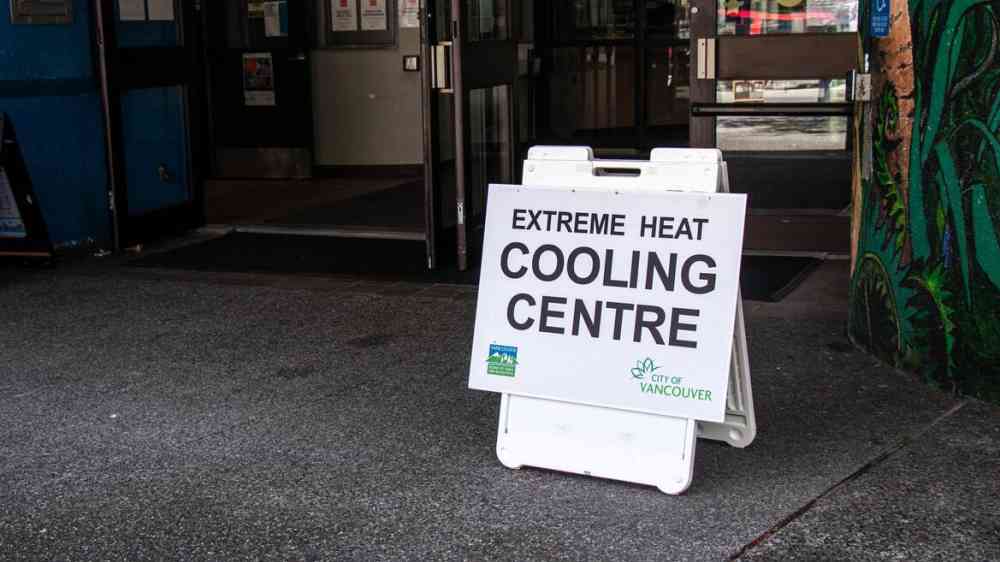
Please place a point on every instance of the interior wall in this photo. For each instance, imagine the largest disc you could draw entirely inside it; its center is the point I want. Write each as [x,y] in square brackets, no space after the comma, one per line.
[367,110]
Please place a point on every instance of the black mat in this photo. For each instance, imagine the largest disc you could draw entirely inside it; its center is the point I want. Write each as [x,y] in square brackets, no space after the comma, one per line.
[772,278]
[775,180]
[763,277]
[390,260]
[400,206]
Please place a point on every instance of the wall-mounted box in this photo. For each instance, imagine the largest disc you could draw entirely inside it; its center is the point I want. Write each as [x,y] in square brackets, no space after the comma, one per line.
[41,11]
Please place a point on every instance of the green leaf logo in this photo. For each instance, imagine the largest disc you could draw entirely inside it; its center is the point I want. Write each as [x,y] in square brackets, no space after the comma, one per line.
[643,368]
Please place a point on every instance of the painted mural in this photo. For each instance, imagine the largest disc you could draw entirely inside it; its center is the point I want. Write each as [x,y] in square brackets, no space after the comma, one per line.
[925,291]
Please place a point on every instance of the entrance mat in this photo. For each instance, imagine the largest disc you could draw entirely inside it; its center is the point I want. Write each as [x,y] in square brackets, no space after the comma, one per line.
[772,278]
[388,260]
[767,278]
[400,206]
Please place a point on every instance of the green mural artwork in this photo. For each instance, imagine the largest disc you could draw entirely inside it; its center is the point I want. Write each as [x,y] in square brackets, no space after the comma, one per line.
[925,291]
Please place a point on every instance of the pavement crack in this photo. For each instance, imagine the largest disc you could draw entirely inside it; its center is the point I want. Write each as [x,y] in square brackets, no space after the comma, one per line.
[885,455]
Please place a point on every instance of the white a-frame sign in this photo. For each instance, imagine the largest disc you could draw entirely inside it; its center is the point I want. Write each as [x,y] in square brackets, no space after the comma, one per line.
[609,316]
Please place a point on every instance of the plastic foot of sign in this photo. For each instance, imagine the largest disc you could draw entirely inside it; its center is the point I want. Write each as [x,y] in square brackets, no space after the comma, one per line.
[596,441]
[740,427]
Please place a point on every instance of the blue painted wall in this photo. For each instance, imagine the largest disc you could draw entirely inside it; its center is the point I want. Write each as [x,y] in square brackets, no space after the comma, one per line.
[48,87]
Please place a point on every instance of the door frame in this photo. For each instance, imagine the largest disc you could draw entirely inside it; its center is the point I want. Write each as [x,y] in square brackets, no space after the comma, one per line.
[430,129]
[121,69]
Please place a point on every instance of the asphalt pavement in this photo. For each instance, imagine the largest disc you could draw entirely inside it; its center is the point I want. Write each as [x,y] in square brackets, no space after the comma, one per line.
[154,414]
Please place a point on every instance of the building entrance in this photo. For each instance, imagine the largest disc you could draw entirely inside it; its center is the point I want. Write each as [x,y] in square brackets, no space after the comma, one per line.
[764,80]
[316,122]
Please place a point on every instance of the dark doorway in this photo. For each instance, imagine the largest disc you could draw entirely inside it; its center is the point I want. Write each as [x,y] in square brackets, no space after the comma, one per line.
[271,66]
[258,65]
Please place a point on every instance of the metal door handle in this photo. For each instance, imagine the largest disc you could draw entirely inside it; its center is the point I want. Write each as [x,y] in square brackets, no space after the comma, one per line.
[441,67]
[706,58]
[298,57]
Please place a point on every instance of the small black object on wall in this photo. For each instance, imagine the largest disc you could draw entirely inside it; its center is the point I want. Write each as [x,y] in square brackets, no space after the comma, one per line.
[22,229]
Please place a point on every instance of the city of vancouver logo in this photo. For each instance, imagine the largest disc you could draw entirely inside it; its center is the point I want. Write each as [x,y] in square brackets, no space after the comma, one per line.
[667,386]
[644,369]
[502,360]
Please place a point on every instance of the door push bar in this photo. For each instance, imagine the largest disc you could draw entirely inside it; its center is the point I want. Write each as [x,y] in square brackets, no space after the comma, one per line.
[771,109]
[441,67]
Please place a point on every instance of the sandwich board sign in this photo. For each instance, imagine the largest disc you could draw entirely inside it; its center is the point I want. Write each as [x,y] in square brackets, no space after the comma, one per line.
[23,232]
[608,314]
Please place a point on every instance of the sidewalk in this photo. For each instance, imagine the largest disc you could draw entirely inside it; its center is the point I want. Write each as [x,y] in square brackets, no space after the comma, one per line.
[150,414]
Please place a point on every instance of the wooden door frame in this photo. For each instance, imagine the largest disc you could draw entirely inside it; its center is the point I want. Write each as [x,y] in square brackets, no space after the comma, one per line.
[704,25]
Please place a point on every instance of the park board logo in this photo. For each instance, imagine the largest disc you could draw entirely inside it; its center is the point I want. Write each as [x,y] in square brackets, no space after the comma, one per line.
[502,360]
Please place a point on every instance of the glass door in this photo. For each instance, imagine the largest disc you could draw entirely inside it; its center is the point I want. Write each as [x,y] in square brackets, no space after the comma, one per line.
[151,88]
[610,74]
[484,72]
[438,129]
[769,87]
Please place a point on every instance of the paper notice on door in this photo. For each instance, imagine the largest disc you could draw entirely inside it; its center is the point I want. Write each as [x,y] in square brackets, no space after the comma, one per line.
[255,9]
[161,10]
[344,15]
[373,16]
[11,225]
[409,13]
[258,79]
[275,18]
[132,10]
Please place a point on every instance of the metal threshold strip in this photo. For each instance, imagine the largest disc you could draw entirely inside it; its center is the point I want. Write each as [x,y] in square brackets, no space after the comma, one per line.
[796,212]
[820,255]
[328,231]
